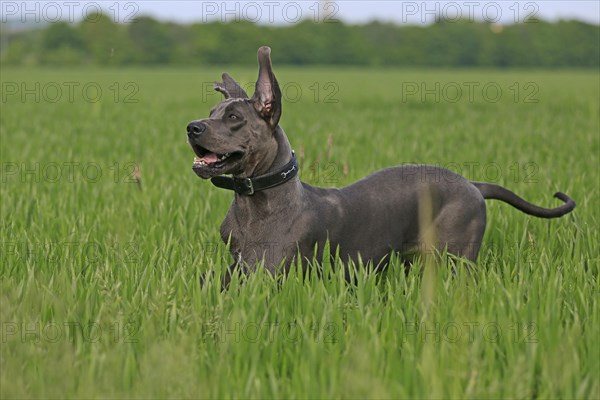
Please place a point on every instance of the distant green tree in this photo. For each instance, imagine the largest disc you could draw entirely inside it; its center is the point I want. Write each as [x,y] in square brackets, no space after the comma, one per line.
[61,44]
[579,42]
[180,37]
[150,40]
[386,44]
[20,48]
[146,41]
[61,34]
[106,41]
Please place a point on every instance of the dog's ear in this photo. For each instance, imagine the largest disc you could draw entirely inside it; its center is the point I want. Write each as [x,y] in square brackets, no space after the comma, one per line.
[230,88]
[267,96]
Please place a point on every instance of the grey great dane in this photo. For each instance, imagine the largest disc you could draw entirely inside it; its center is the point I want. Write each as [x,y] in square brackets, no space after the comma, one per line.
[275,217]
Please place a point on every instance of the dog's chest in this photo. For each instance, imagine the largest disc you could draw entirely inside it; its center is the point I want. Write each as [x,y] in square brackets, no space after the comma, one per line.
[257,237]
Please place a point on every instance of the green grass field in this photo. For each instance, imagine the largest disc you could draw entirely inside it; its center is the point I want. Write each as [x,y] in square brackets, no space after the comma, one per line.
[99,274]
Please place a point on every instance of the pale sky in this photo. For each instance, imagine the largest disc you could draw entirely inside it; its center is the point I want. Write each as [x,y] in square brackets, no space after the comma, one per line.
[282,12]
[354,11]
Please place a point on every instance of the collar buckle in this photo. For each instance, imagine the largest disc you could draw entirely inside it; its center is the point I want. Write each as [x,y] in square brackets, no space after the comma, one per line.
[243,186]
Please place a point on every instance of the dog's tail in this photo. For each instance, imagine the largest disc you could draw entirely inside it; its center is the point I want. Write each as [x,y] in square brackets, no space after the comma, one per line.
[496,192]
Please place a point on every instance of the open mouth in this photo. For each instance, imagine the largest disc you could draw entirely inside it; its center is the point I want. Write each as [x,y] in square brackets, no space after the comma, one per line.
[215,162]
[211,159]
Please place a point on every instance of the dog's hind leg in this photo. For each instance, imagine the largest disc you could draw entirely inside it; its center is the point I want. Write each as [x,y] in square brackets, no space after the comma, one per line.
[459,230]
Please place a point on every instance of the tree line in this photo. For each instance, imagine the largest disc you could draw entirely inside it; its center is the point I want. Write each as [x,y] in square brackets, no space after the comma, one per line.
[98,40]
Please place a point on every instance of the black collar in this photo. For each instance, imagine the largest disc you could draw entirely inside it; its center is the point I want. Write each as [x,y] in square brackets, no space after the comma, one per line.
[248,186]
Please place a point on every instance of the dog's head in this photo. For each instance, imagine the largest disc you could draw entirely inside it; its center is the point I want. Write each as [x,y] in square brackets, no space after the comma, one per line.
[238,136]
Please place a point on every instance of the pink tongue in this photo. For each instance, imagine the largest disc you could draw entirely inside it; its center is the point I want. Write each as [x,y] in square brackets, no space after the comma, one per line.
[210,158]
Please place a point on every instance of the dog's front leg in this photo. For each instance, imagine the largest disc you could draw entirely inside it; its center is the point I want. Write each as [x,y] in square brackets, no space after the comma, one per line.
[227,277]
[238,265]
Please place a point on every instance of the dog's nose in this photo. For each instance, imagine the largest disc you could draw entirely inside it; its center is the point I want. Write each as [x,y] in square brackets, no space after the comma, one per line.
[195,128]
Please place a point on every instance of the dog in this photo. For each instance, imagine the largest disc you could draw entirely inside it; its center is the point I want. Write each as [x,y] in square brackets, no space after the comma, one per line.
[275,218]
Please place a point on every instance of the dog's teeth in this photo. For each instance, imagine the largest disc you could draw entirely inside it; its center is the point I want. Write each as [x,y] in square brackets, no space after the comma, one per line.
[199,161]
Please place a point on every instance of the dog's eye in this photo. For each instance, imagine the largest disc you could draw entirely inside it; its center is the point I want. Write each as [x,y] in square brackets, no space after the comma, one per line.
[233,117]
